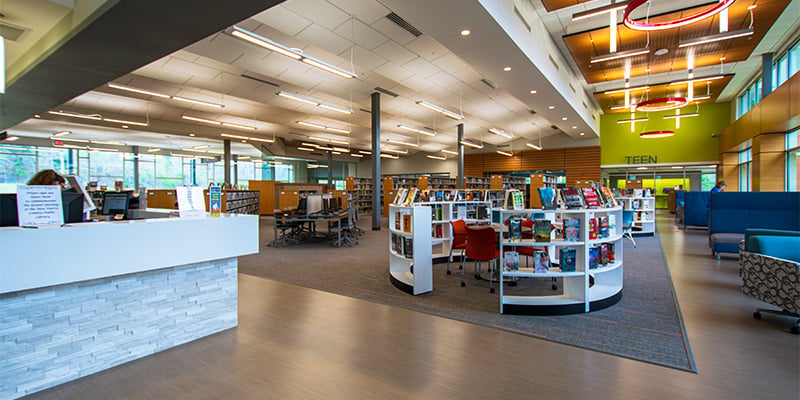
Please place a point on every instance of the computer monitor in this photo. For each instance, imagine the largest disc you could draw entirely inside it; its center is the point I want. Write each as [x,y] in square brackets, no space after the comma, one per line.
[115,203]
[301,205]
[71,206]
[8,209]
[314,203]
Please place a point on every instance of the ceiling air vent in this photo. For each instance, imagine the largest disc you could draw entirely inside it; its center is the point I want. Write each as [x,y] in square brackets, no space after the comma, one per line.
[521,18]
[553,61]
[404,24]
[532,112]
[554,127]
[573,88]
[11,32]
[386,92]
[257,79]
[489,83]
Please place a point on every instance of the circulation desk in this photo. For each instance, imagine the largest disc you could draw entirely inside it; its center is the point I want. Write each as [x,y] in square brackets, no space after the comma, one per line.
[81,298]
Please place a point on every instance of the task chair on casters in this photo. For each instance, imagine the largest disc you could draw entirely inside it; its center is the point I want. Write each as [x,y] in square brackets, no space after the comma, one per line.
[459,243]
[627,225]
[481,246]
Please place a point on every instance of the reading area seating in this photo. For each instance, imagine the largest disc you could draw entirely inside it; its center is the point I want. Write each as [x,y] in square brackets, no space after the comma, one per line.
[731,213]
[695,209]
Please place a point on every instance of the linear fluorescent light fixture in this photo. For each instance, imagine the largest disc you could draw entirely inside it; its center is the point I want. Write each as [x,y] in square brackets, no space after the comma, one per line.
[384,155]
[600,10]
[505,153]
[681,116]
[305,149]
[533,146]
[163,95]
[454,115]
[500,132]
[356,155]
[365,152]
[436,157]
[62,133]
[220,123]
[701,79]
[470,144]
[315,102]
[227,135]
[268,44]
[630,89]
[701,97]
[620,54]
[96,117]
[323,127]
[395,151]
[628,121]
[417,130]
[125,122]
[402,142]
[716,37]
[455,153]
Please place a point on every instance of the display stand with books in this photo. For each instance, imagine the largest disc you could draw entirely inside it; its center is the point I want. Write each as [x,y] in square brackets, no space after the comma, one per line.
[586,254]
[410,262]
[442,212]
[644,212]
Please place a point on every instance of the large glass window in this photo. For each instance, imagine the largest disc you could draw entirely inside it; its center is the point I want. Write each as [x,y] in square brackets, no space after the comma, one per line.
[783,69]
[17,165]
[792,154]
[745,163]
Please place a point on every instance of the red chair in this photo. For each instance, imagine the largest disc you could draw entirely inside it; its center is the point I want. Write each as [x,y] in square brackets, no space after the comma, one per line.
[459,242]
[481,246]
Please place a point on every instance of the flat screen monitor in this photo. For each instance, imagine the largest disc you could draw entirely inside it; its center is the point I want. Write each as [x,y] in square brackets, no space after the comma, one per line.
[115,203]
[314,203]
[8,209]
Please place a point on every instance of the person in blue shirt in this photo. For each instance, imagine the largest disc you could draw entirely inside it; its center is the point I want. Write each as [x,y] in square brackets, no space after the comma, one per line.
[719,187]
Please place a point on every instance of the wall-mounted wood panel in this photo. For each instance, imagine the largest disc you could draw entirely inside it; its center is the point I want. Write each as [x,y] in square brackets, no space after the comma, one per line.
[582,164]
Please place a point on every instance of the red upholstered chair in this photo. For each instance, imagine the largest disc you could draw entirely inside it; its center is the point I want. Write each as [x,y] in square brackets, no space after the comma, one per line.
[482,246]
[459,242]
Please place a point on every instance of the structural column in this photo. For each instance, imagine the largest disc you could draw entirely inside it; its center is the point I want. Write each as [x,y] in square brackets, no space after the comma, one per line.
[460,147]
[330,172]
[766,74]
[135,167]
[226,147]
[376,161]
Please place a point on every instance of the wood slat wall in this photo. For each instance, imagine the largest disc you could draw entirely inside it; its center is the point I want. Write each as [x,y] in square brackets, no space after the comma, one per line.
[581,163]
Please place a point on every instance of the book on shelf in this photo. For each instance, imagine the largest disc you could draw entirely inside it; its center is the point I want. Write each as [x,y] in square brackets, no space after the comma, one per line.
[541,262]
[592,228]
[594,255]
[611,201]
[510,261]
[397,219]
[399,197]
[647,193]
[638,192]
[604,254]
[397,244]
[572,198]
[612,256]
[515,229]
[572,229]
[411,196]
[612,224]
[590,197]
[541,230]
[566,258]
[636,204]
[547,196]
[407,223]
[519,199]
[559,199]
[602,226]
[408,247]
[482,212]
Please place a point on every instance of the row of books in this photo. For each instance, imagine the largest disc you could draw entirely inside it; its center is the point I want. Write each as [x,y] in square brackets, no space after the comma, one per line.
[636,192]
[402,221]
[567,257]
[406,196]
[572,197]
[403,246]
[542,230]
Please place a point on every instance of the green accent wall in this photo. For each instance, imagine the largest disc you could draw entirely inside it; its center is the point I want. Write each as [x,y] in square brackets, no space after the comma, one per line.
[692,142]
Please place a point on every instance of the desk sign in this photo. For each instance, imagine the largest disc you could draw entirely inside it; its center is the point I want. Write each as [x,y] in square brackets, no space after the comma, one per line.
[191,202]
[215,200]
[39,205]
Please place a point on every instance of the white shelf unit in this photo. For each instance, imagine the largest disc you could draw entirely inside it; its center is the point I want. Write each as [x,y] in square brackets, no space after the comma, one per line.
[442,231]
[644,213]
[412,274]
[585,289]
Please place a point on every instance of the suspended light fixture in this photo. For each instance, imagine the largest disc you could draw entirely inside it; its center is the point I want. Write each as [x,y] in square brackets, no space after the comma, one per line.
[248,138]
[674,23]
[323,127]
[442,158]
[315,102]
[163,95]
[620,54]
[716,37]
[402,142]
[466,142]
[662,104]
[417,130]
[500,132]
[447,113]
[634,120]
[656,134]
[455,153]
[505,153]
[534,146]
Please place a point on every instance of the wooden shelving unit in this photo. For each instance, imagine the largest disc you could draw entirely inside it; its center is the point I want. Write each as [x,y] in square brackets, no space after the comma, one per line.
[537,181]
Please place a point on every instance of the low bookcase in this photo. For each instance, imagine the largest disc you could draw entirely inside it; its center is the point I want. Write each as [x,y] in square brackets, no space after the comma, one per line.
[410,263]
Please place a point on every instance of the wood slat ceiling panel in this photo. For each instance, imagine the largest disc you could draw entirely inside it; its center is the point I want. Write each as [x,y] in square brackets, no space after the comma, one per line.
[552,5]
[585,45]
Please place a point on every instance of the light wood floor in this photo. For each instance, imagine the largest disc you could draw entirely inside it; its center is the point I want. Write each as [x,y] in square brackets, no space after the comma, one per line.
[297,343]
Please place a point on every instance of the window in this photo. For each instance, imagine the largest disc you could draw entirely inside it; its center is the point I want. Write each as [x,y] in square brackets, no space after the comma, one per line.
[745,162]
[783,69]
[792,154]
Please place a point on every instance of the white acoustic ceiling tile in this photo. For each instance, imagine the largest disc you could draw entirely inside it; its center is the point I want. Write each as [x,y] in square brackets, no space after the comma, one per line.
[165,74]
[393,72]
[421,67]
[443,79]
[367,11]
[282,19]
[319,11]
[363,58]
[183,55]
[358,32]
[302,77]
[395,53]
[223,49]
[449,62]
[191,68]
[393,31]
[272,65]
[324,39]
[418,83]
[427,48]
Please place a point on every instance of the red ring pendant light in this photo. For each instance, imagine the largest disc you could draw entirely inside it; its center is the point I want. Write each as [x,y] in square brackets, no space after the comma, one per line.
[662,25]
[667,103]
[656,134]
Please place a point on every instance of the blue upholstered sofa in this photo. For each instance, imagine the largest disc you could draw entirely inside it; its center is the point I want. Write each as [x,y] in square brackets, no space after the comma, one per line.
[731,213]
[769,264]
[695,209]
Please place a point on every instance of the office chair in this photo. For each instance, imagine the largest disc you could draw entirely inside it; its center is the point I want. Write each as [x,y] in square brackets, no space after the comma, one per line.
[627,225]
[481,246]
[459,242]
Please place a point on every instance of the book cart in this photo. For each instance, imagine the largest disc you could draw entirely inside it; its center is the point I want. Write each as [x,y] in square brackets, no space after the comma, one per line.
[584,290]
[644,213]
[410,262]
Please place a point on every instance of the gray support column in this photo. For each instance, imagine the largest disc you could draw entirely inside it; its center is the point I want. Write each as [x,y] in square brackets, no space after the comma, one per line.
[136,168]
[193,170]
[330,171]
[376,161]
[226,147]
[235,169]
[460,147]
[766,74]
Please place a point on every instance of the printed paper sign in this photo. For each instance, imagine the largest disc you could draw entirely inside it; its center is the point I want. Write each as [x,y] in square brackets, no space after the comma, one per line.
[215,200]
[39,205]
[191,201]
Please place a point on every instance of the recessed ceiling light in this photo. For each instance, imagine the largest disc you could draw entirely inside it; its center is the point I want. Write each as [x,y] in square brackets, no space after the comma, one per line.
[551,107]
[661,52]
[465,32]
[533,92]
[192,135]
[582,133]
[125,126]
[563,118]
[507,69]
[37,116]
[575,127]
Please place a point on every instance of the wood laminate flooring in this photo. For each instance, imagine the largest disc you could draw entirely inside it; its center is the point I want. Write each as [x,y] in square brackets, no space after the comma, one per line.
[298,343]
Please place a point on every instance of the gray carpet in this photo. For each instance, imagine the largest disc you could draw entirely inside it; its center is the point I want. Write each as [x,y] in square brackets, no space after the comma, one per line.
[645,325]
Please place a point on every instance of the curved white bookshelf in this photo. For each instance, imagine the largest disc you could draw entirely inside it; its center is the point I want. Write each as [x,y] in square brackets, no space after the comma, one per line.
[644,213]
[585,289]
[410,268]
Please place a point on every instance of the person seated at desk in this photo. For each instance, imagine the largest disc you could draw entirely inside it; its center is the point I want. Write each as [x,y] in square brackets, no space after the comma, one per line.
[47,177]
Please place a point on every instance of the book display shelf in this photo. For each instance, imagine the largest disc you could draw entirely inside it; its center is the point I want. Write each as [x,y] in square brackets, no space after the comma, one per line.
[410,262]
[588,260]
[360,193]
[442,212]
[240,201]
[644,213]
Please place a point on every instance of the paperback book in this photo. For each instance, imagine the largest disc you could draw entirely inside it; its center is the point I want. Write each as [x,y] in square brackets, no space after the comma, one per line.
[567,259]
[610,200]
[541,230]
[515,229]
[594,255]
[572,198]
[511,261]
[547,196]
[592,228]
[541,262]
[602,228]
[591,198]
[407,223]
[604,254]
[572,229]
[408,247]
[397,218]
